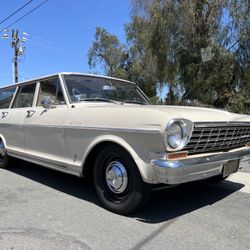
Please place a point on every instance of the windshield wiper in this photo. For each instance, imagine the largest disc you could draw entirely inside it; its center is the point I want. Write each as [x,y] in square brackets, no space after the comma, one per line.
[98,99]
[135,102]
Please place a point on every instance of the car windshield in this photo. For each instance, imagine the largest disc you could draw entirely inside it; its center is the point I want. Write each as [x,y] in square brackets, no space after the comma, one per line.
[89,88]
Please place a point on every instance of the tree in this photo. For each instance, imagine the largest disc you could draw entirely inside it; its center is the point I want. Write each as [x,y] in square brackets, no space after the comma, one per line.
[161,24]
[179,30]
[122,61]
[165,40]
[142,68]
[107,50]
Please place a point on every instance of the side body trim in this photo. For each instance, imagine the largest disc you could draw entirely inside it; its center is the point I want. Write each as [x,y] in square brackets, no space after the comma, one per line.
[44,162]
[136,130]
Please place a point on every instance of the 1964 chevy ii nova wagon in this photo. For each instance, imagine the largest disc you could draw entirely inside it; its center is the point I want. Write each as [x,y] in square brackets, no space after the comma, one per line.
[79,124]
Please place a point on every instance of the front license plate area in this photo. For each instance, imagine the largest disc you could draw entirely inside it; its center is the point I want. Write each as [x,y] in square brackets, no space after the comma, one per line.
[230,167]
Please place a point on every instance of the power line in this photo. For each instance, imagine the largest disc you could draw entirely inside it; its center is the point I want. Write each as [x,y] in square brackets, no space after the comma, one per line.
[19,19]
[233,45]
[237,42]
[8,17]
[42,40]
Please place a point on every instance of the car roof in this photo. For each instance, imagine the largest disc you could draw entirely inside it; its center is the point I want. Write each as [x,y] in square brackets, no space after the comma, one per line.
[64,73]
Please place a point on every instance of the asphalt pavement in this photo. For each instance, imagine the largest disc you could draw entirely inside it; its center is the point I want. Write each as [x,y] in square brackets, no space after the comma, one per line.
[44,209]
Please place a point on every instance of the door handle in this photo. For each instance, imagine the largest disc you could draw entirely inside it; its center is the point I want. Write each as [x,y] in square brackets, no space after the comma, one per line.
[4,114]
[30,112]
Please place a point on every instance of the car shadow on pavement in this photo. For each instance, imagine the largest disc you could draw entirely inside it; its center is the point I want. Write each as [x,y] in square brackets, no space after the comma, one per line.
[169,204]
[66,183]
[164,205]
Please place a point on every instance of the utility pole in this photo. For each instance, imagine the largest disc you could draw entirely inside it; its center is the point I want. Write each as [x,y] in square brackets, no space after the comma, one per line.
[17,45]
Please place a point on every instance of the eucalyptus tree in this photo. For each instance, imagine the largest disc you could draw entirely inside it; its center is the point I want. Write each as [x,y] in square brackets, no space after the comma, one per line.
[107,50]
[199,49]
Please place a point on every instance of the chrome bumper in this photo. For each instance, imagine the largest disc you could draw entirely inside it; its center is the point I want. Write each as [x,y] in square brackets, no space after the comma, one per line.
[197,167]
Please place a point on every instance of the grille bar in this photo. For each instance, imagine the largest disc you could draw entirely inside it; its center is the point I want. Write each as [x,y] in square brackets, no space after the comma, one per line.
[212,137]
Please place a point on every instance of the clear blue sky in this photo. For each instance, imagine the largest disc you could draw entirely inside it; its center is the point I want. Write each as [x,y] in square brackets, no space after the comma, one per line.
[61,32]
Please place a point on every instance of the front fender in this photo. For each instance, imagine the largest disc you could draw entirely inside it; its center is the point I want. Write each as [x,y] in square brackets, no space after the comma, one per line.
[140,156]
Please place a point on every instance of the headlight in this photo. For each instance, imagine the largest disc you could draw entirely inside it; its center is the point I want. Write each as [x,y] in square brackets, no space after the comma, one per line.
[177,134]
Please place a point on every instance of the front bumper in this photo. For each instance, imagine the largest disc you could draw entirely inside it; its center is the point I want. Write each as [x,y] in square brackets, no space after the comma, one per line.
[195,168]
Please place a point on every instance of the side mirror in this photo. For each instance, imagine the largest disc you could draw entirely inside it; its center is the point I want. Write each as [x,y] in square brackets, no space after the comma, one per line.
[47,104]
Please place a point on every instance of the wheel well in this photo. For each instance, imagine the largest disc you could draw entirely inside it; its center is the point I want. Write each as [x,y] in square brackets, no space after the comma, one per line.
[88,166]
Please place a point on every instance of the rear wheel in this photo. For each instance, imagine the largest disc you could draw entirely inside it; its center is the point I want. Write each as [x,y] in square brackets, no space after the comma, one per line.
[4,158]
[118,183]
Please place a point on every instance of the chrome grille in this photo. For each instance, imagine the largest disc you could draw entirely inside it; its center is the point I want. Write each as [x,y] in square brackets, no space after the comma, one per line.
[212,137]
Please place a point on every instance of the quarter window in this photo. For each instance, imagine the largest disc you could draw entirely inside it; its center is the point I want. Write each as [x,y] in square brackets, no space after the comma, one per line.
[6,96]
[50,89]
[25,96]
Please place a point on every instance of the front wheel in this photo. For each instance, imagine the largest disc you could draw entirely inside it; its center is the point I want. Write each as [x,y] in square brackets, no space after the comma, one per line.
[118,183]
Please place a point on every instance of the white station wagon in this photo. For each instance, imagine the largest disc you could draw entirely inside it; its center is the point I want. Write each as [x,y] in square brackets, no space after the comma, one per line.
[84,124]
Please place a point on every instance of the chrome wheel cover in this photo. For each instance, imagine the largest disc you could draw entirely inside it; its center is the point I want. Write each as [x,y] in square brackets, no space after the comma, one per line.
[116,177]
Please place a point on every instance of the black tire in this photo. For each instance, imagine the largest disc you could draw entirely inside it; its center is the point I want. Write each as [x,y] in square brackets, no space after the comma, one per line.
[137,192]
[4,161]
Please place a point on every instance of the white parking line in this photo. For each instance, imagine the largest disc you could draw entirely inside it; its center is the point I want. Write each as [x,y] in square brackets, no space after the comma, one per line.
[243,178]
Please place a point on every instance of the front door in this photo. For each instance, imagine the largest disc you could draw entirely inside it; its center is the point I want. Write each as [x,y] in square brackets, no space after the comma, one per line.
[44,128]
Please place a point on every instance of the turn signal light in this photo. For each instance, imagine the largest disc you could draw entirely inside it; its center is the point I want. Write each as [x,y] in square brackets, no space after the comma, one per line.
[177,155]
[248,144]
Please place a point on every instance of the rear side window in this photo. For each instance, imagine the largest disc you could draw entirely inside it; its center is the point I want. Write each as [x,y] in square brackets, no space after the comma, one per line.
[6,96]
[25,96]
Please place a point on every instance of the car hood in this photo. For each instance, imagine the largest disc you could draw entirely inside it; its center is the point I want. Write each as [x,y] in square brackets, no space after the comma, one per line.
[197,114]
[146,116]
